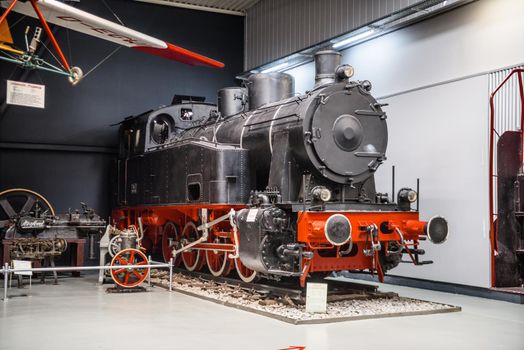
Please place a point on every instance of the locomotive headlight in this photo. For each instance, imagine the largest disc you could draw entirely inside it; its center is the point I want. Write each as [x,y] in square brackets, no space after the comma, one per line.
[321,193]
[337,229]
[412,196]
[325,195]
[407,194]
[344,71]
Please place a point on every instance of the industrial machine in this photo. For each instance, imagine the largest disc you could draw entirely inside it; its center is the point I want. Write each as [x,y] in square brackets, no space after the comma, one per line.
[270,183]
[31,229]
[37,248]
[123,247]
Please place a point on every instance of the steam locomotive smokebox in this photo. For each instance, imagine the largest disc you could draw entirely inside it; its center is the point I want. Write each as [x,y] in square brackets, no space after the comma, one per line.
[199,172]
[265,88]
[232,100]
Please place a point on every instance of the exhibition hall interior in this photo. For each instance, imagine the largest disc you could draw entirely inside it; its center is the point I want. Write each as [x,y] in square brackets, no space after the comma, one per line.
[262,174]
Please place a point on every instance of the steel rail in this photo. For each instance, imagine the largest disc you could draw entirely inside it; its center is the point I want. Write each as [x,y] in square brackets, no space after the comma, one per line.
[262,288]
[293,292]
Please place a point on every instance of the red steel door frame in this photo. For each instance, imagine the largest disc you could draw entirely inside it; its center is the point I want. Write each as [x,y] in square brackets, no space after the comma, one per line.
[492,229]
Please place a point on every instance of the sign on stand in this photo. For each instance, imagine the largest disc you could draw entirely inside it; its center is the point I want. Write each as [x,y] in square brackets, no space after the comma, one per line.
[22,265]
[25,94]
[316,297]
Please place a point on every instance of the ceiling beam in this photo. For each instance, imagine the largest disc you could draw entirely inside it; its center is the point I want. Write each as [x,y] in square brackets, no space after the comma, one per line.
[194,7]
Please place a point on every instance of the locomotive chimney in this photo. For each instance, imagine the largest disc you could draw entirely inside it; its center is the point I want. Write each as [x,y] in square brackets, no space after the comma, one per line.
[326,63]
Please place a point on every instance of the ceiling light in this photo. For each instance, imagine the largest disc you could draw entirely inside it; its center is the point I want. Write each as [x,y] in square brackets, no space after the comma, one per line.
[353,38]
[275,68]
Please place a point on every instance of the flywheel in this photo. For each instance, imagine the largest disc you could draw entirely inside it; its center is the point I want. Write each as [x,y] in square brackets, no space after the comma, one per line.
[17,202]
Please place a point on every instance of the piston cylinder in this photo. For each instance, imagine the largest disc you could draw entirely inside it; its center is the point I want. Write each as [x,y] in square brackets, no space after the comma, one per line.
[129,239]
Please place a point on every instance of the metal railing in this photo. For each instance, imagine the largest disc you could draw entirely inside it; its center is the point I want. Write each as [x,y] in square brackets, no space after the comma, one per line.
[6,270]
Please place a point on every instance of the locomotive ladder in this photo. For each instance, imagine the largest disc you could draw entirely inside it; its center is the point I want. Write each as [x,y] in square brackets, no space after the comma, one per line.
[493,178]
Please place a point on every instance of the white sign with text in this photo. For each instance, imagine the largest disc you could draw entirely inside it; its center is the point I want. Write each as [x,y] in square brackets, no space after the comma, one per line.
[316,297]
[25,94]
[22,265]
[252,215]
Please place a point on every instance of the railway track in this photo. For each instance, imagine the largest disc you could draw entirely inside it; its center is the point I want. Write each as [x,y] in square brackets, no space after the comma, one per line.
[286,302]
[288,291]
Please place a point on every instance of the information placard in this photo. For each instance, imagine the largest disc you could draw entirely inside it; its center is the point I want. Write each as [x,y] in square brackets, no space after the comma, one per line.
[316,297]
[22,264]
[25,94]
[252,215]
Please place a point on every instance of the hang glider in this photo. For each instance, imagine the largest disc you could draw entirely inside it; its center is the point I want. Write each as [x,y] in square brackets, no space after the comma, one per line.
[6,40]
[52,11]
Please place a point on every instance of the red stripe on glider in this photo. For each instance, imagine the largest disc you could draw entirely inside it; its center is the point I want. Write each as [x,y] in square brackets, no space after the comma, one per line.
[176,53]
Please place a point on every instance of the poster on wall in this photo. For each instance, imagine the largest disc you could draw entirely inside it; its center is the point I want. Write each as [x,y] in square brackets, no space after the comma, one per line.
[25,94]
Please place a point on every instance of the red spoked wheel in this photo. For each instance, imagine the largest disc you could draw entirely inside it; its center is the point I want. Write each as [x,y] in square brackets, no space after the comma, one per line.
[129,277]
[192,258]
[217,261]
[245,274]
[170,241]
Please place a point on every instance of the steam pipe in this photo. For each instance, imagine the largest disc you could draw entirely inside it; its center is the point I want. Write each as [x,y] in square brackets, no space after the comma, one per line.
[393,184]
[418,194]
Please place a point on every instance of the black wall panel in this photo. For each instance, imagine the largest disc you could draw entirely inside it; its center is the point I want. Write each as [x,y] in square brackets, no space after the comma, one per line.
[64,178]
[129,82]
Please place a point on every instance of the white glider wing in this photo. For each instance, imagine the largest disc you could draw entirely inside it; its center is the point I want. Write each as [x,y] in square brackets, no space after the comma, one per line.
[72,18]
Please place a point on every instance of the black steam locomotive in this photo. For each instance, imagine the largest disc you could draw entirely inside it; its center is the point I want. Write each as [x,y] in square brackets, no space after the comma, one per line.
[294,172]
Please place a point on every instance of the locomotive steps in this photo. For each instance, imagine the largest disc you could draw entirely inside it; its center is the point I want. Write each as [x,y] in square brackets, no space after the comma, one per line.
[347,301]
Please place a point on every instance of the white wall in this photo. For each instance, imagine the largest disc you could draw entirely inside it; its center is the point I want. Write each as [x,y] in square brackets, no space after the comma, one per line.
[435,135]
[447,124]
[475,38]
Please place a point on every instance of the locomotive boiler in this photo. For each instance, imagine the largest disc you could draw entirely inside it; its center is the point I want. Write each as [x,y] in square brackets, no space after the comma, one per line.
[270,183]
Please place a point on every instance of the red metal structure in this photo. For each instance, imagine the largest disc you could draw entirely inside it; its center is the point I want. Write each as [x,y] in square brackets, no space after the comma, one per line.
[492,176]
[175,226]
[170,226]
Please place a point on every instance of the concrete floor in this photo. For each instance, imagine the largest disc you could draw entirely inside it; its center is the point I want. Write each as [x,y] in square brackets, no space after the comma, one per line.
[77,314]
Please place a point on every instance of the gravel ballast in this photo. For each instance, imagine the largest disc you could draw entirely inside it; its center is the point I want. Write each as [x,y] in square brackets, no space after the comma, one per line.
[290,311]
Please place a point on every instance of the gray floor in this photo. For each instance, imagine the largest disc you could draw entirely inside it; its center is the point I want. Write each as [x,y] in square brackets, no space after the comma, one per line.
[77,314]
